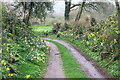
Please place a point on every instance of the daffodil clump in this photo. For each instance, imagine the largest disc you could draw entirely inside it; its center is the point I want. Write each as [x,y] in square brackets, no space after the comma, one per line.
[102,39]
[23,53]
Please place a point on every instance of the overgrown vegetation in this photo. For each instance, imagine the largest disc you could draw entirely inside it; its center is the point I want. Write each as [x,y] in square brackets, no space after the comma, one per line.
[100,42]
[24,54]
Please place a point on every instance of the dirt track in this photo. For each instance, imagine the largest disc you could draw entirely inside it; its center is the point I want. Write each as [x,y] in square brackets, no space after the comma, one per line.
[90,69]
[55,66]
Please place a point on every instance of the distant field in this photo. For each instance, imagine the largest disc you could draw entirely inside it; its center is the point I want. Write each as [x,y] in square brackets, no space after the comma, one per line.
[38,28]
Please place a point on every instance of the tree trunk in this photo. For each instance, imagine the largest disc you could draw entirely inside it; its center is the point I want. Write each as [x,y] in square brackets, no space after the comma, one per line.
[118,16]
[27,18]
[80,11]
[67,10]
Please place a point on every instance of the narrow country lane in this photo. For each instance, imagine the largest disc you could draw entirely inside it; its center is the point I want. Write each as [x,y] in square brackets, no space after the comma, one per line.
[87,66]
[55,69]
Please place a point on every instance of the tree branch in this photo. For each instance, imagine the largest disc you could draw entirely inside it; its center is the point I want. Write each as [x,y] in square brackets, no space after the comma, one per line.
[75,5]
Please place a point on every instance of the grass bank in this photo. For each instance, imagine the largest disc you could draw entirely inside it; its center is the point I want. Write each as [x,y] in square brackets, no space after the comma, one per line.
[35,70]
[39,28]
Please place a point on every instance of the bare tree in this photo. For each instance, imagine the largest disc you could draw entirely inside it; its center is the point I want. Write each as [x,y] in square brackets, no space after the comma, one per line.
[80,11]
[67,9]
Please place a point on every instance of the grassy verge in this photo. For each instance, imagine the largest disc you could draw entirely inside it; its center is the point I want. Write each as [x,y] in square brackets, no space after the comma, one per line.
[70,65]
[38,28]
[35,70]
[112,69]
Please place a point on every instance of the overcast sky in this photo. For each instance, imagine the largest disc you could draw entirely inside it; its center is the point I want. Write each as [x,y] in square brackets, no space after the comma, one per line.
[59,4]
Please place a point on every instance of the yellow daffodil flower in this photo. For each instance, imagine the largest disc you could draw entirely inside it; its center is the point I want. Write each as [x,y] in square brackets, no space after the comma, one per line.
[117,32]
[87,42]
[47,44]
[7,68]
[34,57]
[9,39]
[0,51]
[10,74]
[7,49]
[27,76]
[115,41]
[95,39]
[2,61]
[92,34]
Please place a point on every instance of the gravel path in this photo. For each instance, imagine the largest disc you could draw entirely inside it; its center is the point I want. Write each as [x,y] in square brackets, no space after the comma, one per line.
[90,69]
[55,64]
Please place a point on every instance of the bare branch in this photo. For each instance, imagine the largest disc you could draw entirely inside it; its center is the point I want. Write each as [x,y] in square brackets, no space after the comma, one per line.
[74,5]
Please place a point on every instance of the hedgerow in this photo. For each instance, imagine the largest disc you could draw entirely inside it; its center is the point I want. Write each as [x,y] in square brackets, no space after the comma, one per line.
[101,39]
[23,53]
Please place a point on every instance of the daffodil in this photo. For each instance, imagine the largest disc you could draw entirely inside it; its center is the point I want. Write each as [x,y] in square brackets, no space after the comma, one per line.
[34,57]
[7,49]
[43,58]
[87,42]
[10,74]
[38,58]
[7,68]
[31,43]
[101,44]
[92,34]
[27,76]
[0,51]
[47,44]
[9,39]
[2,61]
[28,45]
[95,39]
[7,44]
[105,22]
[117,32]
[115,41]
